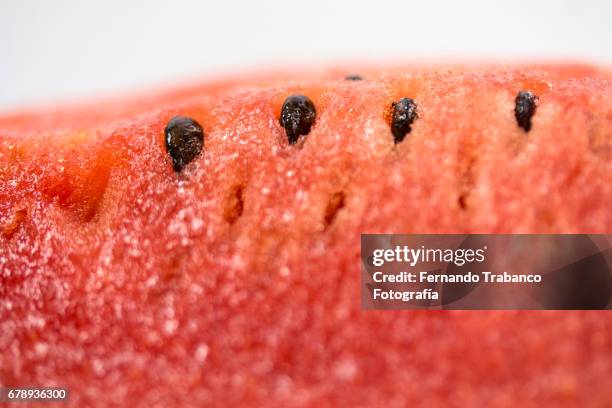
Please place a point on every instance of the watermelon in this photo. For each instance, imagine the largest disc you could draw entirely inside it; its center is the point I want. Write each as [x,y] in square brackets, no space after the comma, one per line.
[200,246]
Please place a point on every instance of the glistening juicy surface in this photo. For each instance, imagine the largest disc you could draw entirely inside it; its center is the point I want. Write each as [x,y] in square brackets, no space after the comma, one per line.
[236,282]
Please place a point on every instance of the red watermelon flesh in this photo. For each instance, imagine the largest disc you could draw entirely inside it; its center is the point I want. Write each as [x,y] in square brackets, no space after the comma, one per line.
[236,281]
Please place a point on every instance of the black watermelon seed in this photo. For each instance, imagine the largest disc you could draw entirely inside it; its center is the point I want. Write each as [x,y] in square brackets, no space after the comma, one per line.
[184,141]
[298,114]
[353,77]
[525,107]
[403,114]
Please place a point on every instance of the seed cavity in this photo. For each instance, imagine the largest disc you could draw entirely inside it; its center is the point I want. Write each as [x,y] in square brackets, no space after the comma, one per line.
[184,141]
[11,227]
[298,114]
[524,108]
[402,114]
[467,175]
[462,200]
[336,203]
[353,77]
[234,204]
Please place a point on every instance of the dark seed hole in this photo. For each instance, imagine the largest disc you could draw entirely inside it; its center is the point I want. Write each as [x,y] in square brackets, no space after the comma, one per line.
[525,105]
[466,176]
[335,204]
[234,204]
[462,201]
[353,77]
[11,227]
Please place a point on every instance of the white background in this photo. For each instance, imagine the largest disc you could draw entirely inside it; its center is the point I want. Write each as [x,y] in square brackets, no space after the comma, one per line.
[65,50]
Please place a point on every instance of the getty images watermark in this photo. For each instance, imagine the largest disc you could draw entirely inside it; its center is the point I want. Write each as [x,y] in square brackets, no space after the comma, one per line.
[563,271]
